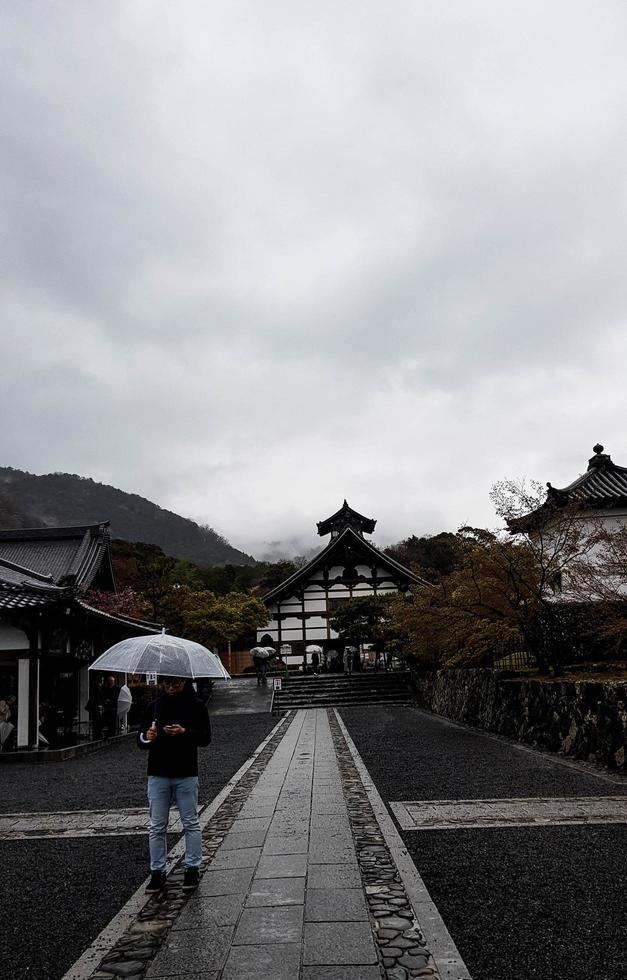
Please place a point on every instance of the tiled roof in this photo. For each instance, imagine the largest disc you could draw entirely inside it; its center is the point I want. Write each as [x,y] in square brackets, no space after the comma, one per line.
[69,555]
[353,538]
[603,486]
[28,594]
[346,517]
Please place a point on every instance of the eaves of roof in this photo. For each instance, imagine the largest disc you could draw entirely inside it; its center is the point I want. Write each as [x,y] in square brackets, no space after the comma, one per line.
[603,486]
[30,594]
[322,557]
[140,624]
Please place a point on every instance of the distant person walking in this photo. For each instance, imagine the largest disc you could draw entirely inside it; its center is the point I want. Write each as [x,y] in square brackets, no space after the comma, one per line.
[172,729]
[110,695]
[95,708]
[261,667]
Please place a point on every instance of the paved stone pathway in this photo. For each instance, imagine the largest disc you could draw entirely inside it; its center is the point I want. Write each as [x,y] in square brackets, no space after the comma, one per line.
[79,823]
[298,882]
[533,812]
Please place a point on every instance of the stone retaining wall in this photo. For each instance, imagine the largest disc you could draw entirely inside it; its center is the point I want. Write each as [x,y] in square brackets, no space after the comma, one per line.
[584,720]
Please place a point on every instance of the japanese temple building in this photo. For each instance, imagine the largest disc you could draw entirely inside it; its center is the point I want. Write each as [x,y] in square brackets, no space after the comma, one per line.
[599,494]
[349,567]
[49,633]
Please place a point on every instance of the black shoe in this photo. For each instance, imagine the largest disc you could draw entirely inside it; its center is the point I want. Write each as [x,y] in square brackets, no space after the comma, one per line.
[156,883]
[190,880]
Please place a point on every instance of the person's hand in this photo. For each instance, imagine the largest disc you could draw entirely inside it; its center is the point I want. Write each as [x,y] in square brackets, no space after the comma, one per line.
[151,734]
[174,730]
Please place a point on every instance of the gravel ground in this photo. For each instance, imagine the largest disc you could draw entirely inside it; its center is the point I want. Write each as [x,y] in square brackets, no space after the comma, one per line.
[57,895]
[116,776]
[434,760]
[528,904]
[520,903]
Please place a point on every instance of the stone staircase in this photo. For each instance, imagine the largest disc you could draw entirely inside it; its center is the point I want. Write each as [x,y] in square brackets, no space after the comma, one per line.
[338,689]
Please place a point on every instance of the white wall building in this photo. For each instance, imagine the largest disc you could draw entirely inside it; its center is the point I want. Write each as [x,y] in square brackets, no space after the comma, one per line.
[349,567]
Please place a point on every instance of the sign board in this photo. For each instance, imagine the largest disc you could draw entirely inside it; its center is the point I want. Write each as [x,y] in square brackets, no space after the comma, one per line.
[151,679]
[276,684]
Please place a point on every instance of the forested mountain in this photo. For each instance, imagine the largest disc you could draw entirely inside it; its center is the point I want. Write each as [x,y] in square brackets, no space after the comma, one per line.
[27,500]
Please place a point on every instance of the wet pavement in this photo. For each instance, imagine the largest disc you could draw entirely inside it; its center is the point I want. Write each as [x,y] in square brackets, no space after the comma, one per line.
[298,882]
[240,695]
[440,852]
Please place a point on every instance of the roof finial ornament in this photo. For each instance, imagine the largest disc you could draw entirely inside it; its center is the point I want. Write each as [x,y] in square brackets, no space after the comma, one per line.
[598,449]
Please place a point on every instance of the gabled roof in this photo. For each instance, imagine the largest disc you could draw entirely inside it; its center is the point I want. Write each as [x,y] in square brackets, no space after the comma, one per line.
[62,556]
[346,538]
[602,486]
[141,625]
[346,517]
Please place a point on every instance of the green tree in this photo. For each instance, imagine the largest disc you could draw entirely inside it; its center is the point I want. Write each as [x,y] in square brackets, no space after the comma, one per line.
[366,620]
[212,619]
[430,556]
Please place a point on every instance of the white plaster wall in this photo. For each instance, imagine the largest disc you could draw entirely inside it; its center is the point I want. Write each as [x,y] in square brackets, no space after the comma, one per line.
[12,638]
[315,605]
[609,521]
[318,633]
[291,623]
[289,635]
[315,622]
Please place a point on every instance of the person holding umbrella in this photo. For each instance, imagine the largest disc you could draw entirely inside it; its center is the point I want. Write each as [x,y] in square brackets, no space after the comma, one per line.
[260,656]
[172,729]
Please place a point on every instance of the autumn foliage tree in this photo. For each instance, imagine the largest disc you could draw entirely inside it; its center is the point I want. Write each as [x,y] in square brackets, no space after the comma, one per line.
[505,591]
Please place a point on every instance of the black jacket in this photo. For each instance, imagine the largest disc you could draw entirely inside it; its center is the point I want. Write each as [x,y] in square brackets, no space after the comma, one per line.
[175,755]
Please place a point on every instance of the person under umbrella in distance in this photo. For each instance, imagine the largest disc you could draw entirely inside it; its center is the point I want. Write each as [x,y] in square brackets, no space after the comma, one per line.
[172,729]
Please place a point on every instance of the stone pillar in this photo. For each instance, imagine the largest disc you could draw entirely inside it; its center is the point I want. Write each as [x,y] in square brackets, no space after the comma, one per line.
[83,697]
[28,701]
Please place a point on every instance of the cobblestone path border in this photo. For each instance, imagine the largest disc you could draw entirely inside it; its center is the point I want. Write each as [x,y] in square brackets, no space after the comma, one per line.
[132,954]
[400,942]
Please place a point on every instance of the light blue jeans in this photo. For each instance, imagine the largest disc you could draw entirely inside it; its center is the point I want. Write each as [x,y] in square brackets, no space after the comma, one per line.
[163,791]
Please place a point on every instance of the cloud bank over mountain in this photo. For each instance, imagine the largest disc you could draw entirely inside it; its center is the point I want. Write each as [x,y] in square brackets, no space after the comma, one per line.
[259,258]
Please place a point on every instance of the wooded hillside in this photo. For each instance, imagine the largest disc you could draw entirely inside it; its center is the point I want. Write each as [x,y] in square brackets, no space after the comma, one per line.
[27,500]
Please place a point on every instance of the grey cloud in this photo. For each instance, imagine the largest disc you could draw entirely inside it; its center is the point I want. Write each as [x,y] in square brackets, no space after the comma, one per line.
[255,262]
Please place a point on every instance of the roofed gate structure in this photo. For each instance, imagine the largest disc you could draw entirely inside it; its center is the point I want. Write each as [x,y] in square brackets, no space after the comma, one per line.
[350,567]
[49,633]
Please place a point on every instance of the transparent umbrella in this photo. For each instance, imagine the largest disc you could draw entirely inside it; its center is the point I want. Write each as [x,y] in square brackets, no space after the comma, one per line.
[169,656]
[313,648]
[125,700]
[261,653]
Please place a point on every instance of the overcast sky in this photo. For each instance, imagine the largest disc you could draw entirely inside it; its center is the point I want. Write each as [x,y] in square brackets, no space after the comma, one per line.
[262,256]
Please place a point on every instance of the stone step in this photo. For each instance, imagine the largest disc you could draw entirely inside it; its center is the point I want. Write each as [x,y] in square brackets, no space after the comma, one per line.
[321,692]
